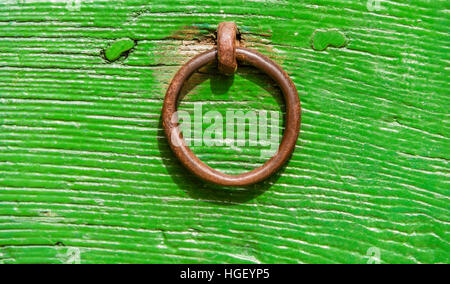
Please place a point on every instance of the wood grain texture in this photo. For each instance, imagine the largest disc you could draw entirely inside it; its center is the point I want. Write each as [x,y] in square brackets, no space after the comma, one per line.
[84,164]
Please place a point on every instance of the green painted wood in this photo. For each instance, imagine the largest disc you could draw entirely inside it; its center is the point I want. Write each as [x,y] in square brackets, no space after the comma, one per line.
[85,170]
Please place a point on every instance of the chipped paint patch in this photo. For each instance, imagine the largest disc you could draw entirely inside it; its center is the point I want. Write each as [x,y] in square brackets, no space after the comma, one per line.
[321,40]
[118,48]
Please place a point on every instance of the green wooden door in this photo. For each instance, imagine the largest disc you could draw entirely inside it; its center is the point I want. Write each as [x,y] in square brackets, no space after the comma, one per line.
[86,175]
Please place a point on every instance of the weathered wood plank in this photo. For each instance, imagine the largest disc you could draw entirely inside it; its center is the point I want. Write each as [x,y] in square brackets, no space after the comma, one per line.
[83,161]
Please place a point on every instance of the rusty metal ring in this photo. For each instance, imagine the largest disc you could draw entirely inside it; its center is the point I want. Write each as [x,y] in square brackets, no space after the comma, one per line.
[194,164]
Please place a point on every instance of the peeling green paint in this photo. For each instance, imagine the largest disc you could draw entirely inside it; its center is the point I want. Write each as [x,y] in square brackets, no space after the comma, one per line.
[118,48]
[323,39]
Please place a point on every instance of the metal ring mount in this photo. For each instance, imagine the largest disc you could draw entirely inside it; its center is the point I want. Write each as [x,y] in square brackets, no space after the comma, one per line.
[185,154]
[226,48]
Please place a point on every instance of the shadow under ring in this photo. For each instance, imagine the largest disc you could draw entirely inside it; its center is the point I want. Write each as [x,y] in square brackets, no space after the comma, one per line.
[190,160]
